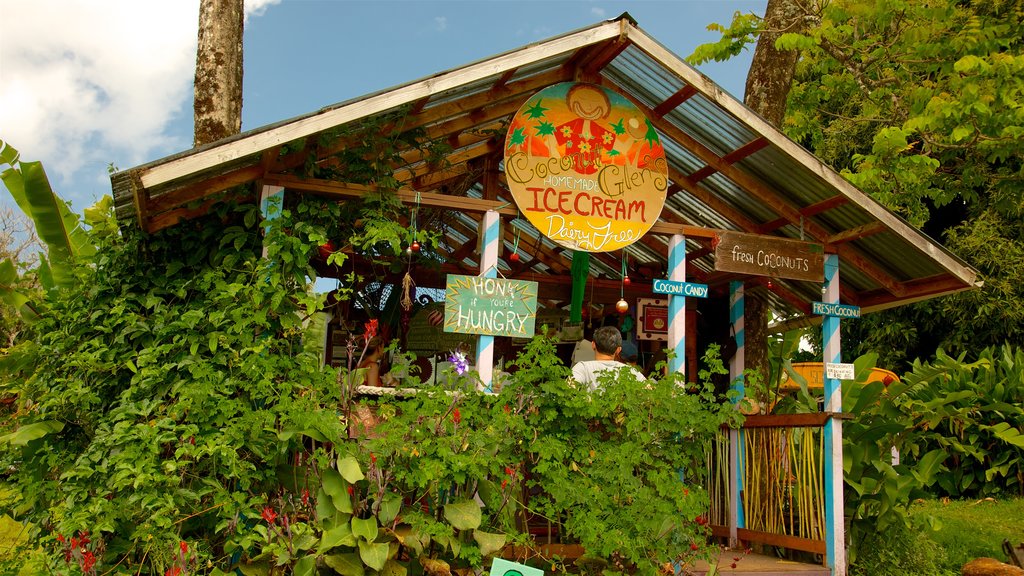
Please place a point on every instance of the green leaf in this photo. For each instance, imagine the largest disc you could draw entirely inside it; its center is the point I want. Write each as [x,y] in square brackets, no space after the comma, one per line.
[463,515]
[394,568]
[346,564]
[365,528]
[350,470]
[305,567]
[928,466]
[30,432]
[336,488]
[373,554]
[489,543]
[389,508]
[340,535]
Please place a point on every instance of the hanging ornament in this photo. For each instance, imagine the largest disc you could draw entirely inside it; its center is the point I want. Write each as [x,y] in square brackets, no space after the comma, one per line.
[514,257]
[626,280]
[415,246]
[622,306]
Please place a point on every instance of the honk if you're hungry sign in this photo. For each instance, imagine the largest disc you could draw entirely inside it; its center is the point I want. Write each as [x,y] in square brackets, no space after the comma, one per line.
[490,306]
[586,167]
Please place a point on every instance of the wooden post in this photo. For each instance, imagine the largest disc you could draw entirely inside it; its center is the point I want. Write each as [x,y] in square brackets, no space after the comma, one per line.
[677,304]
[835,537]
[490,233]
[271,203]
[736,519]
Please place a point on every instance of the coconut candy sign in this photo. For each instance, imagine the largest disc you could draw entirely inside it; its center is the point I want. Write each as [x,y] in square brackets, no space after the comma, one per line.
[586,167]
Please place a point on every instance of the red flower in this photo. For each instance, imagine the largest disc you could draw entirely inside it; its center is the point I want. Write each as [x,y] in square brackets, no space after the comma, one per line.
[83,537]
[305,497]
[370,329]
[183,546]
[504,482]
[60,538]
[176,571]
[351,490]
[507,409]
[88,561]
[269,515]
[456,416]
[74,542]
[373,458]
[686,491]
[694,546]
[509,471]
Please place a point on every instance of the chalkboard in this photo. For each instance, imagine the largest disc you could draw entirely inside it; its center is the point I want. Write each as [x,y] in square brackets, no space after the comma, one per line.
[490,306]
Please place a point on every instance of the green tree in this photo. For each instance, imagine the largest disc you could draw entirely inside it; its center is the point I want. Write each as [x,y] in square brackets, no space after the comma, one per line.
[922,106]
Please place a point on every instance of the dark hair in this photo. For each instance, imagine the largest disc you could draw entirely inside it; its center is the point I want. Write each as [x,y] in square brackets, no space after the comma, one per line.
[607,339]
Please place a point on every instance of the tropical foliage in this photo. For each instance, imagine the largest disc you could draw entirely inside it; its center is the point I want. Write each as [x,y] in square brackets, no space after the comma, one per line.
[920,104]
[169,420]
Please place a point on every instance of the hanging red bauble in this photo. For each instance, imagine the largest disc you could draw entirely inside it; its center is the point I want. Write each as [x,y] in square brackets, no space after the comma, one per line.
[514,257]
[415,247]
[622,306]
[326,249]
[626,280]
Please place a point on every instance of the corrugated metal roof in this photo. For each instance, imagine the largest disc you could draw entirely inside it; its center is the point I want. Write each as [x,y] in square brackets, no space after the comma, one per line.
[730,170]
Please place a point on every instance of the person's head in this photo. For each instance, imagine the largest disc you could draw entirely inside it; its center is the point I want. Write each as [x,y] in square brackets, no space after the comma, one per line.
[374,346]
[607,340]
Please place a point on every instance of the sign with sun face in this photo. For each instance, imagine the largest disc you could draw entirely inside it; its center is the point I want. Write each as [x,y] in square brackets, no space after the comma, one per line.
[586,167]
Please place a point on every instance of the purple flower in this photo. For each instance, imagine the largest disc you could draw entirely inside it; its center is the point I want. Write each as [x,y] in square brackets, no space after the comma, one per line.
[458,359]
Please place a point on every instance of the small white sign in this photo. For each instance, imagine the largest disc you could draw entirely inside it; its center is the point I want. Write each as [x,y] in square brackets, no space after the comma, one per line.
[839,371]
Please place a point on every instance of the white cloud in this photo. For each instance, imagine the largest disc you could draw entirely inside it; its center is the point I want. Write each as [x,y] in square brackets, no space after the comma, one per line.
[440,23]
[597,11]
[84,83]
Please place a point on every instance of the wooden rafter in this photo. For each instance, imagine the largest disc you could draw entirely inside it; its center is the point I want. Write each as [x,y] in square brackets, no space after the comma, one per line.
[673,101]
[857,233]
[730,158]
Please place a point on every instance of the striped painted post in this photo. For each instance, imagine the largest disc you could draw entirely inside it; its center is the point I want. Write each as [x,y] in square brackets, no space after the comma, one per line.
[835,537]
[490,233]
[736,365]
[271,203]
[677,304]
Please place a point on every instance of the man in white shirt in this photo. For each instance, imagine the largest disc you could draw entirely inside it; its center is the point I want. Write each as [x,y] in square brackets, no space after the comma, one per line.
[607,343]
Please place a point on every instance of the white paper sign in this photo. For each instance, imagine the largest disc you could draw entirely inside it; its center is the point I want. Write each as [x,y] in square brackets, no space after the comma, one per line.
[839,371]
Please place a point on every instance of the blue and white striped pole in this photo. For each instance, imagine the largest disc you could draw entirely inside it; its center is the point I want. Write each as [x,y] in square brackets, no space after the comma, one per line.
[271,204]
[835,537]
[736,366]
[677,304]
[490,228]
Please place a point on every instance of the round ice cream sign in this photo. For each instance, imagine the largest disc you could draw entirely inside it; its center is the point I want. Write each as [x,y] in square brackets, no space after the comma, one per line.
[586,167]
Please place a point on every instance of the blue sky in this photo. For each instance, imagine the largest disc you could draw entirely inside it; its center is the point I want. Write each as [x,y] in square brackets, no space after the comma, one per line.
[85,84]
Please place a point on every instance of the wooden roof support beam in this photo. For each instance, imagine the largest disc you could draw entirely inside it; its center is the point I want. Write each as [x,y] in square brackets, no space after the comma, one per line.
[710,200]
[505,78]
[459,156]
[673,101]
[347,190]
[857,233]
[736,155]
[435,180]
[186,194]
[806,211]
[173,217]
[593,65]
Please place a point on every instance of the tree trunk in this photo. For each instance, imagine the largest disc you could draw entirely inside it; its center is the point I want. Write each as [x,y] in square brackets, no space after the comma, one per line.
[218,83]
[768,83]
[771,71]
